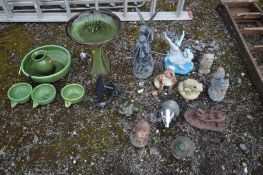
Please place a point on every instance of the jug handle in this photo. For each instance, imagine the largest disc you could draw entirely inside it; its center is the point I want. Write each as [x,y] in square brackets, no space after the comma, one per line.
[35,104]
[13,104]
[67,104]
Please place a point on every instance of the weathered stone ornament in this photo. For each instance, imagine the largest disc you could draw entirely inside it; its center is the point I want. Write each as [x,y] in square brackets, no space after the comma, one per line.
[128,107]
[180,61]
[143,64]
[104,93]
[140,134]
[190,89]
[166,79]
[169,112]
[206,119]
[219,85]
[182,147]
[205,63]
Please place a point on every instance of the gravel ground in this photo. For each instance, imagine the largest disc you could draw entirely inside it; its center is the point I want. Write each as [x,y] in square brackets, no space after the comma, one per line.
[84,140]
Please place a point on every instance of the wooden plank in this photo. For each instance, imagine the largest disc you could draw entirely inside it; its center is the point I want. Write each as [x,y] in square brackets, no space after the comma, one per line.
[61,2]
[180,7]
[252,30]
[223,1]
[248,15]
[68,10]
[125,8]
[6,9]
[62,17]
[249,61]
[37,8]
[256,48]
[153,7]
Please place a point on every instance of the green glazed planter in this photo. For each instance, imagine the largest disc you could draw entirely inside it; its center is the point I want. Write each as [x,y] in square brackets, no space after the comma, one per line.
[61,61]
[19,93]
[72,94]
[43,94]
[43,64]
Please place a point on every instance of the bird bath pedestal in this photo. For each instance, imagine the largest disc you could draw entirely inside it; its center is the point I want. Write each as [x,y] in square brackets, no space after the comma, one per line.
[94,28]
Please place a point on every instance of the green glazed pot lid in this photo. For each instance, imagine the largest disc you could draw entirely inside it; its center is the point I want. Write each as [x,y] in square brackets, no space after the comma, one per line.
[93,27]
[72,92]
[19,91]
[43,93]
[182,147]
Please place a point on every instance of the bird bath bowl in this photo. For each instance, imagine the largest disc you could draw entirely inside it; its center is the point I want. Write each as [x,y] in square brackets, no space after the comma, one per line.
[19,93]
[72,94]
[43,94]
[95,28]
[60,58]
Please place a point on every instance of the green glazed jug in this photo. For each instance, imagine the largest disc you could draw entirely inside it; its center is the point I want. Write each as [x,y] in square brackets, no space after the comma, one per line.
[43,64]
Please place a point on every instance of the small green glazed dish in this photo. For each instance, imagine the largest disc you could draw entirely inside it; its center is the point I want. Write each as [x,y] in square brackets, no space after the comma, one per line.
[61,61]
[19,93]
[72,94]
[43,94]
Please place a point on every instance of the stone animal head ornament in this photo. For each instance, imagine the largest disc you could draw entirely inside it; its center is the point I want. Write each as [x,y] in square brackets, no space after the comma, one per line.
[190,89]
[140,134]
[169,111]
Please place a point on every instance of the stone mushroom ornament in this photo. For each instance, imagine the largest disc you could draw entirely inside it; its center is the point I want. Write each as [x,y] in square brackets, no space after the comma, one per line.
[169,111]
[140,134]
[206,63]
[190,89]
[166,79]
[219,85]
[182,147]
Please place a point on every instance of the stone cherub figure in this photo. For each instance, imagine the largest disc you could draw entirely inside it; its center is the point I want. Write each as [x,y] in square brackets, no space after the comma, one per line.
[143,63]
[176,59]
[219,85]
[206,63]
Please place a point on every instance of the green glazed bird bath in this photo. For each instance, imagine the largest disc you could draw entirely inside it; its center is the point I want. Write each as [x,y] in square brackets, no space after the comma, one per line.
[95,28]
[19,93]
[43,94]
[72,94]
[60,58]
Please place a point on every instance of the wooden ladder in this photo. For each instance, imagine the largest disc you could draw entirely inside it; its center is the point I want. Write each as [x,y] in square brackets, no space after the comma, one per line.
[246,12]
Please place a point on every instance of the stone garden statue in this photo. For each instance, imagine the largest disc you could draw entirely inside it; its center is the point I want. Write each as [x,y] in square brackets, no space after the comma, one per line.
[219,85]
[178,60]
[206,63]
[143,64]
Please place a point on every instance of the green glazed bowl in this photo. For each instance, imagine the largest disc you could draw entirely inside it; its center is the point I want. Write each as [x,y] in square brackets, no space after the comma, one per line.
[72,94]
[43,94]
[19,93]
[60,58]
